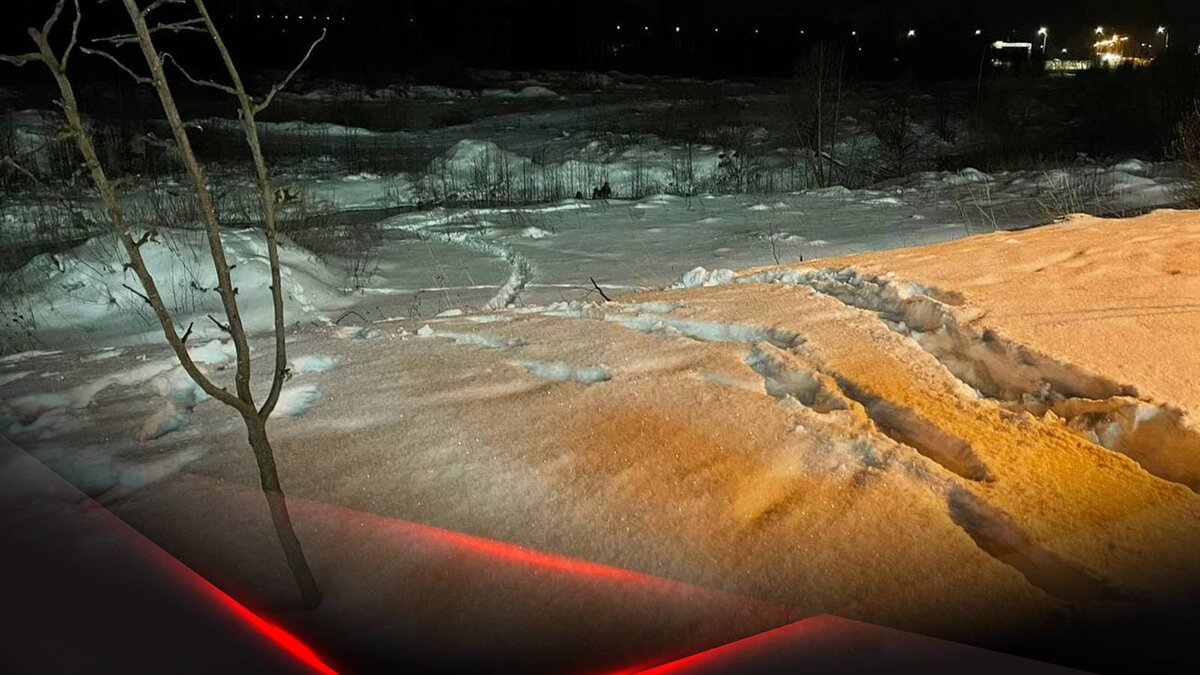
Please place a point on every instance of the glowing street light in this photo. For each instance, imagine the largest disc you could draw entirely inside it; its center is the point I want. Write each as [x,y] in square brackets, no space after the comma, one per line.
[1099,30]
[1045,33]
[1162,30]
[912,33]
[978,32]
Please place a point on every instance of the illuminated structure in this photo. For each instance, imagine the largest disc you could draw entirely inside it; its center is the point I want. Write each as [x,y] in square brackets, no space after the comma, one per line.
[1110,53]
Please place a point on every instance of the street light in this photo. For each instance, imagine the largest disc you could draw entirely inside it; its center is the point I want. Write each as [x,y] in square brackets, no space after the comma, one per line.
[1162,30]
[912,33]
[1099,30]
[1045,33]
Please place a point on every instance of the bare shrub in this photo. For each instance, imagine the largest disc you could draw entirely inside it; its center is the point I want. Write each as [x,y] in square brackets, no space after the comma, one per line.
[815,103]
[1186,150]
[900,145]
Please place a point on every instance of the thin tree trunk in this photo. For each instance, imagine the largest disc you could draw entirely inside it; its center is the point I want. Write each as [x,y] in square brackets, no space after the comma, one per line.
[268,474]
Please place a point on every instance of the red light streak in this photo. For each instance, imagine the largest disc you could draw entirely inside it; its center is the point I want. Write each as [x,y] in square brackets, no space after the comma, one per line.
[290,643]
[752,643]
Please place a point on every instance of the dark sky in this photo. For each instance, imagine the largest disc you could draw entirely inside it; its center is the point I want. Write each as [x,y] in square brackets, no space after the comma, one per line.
[580,34]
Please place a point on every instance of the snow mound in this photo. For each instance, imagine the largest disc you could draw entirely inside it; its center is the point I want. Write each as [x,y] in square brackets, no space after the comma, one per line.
[1133,167]
[534,232]
[295,401]
[88,289]
[535,91]
[968,176]
[312,364]
[700,276]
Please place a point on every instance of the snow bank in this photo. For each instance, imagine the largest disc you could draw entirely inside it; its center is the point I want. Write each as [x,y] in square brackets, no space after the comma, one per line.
[86,291]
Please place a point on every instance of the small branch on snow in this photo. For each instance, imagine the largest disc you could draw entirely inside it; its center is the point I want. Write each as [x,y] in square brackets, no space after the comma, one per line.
[351,312]
[601,290]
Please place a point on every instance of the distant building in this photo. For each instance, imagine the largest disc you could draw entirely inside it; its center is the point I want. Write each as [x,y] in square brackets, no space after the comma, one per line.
[1011,54]
[1067,66]
[1112,52]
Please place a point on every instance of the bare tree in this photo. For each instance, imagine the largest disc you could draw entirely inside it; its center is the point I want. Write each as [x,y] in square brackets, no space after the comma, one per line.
[900,143]
[818,90]
[242,399]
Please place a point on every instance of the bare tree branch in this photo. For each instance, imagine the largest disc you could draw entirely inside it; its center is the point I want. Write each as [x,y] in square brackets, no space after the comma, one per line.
[138,293]
[188,25]
[20,168]
[159,3]
[74,36]
[49,25]
[202,83]
[601,290]
[20,59]
[129,71]
[280,86]
[249,110]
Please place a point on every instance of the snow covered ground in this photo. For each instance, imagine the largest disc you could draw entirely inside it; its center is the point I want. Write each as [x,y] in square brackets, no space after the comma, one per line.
[986,438]
[918,451]
[431,261]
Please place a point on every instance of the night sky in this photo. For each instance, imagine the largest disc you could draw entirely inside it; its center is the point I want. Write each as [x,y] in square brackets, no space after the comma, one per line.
[716,37]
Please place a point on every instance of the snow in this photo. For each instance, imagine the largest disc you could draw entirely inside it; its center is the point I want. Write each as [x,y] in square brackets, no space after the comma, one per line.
[298,400]
[562,372]
[312,364]
[895,406]
[957,437]
[83,291]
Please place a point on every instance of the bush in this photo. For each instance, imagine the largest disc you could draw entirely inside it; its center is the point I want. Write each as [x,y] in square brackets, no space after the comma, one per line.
[1186,149]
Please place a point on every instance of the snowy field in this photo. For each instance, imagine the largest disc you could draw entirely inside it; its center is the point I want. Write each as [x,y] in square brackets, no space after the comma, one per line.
[427,262]
[983,439]
[811,437]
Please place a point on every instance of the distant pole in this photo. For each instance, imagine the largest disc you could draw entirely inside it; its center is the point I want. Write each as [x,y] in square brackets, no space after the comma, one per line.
[982,60]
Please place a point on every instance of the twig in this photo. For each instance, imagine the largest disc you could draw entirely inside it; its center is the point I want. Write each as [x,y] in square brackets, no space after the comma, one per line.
[138,293]
[129,71]
[189,25]
[224,327]
[159,3]
[203,83]
[601,290]
[74,36]
[342,317]
[20,59]
[187,333]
